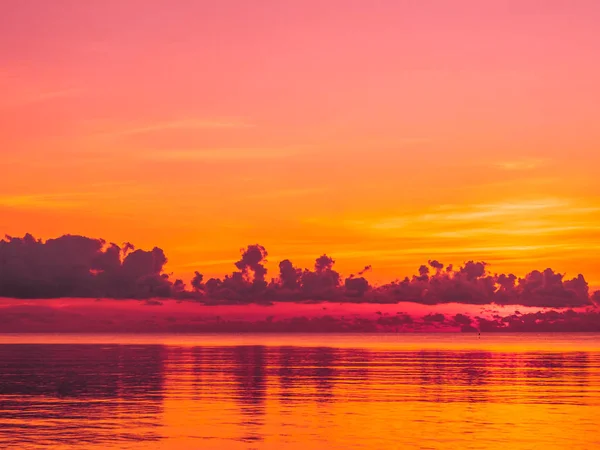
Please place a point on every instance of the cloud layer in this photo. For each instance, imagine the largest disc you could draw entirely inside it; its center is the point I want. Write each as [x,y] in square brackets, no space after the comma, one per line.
[78,266]
[87,315]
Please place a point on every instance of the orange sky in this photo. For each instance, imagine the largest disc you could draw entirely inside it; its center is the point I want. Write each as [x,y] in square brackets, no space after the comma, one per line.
[383,133]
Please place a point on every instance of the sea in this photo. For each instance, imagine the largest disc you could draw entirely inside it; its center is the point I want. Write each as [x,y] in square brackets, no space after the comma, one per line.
[300,391]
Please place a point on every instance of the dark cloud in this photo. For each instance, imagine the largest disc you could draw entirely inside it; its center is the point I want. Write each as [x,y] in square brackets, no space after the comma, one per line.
[473,284]
[323,282]
[196,283]
[365,270]
[434,318]
[151,315]
[435,264]
[178,287]
[356,287]
[289,275]
[596,298]
[324,263]
[400,320]
[567,320]
[462,319]
[251,264]
[77,266]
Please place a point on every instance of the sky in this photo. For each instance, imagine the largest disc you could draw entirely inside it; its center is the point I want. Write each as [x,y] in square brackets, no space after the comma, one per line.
[379,132]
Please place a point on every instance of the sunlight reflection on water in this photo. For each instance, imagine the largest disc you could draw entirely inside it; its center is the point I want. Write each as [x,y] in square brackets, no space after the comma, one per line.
[317,391]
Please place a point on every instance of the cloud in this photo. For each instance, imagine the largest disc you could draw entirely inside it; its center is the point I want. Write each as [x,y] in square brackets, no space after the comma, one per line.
[567,320]
[473,284]
[35,98]
[220,154]
[177,124]
[88,315]
[43,201]
[520,215]
[78,266]
[286,193]
[57,94]
[94,193]
[434,318]
[523,164]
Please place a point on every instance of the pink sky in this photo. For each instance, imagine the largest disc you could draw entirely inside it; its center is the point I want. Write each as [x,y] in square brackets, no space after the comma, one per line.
[383,133]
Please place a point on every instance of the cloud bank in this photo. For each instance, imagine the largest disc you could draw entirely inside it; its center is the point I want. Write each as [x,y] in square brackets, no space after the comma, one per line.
[82,315]
[78,266]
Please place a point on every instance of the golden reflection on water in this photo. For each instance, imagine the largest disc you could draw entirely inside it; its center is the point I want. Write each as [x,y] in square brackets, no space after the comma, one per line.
[318,391]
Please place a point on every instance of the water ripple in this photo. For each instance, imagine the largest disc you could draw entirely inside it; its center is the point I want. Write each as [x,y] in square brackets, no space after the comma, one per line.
[254,396]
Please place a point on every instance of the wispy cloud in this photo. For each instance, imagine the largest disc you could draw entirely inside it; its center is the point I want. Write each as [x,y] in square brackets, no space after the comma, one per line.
[523,164]
[519,230]
[44,201]
[284,193]
[38,97]
[427,251]
[69,200]
[221,154]
[519,226]
[450,215]
[491,210]
[179,124]
[58,94]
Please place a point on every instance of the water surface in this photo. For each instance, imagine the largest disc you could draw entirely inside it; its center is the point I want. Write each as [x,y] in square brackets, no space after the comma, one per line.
[299,391]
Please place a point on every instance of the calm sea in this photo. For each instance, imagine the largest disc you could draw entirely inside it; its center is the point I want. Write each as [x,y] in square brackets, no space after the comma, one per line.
[185,392]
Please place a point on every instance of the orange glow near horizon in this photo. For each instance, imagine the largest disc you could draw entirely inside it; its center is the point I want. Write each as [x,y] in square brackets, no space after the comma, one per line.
[384,134]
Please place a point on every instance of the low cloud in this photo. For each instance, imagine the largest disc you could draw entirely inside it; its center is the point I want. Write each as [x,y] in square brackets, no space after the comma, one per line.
[78,266]
[88,315]
[542,321]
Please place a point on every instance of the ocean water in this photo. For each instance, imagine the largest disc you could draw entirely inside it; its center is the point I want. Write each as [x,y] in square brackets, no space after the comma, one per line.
[447,391]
